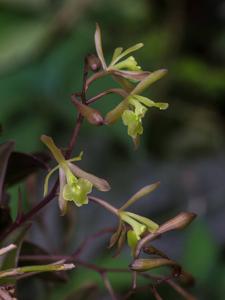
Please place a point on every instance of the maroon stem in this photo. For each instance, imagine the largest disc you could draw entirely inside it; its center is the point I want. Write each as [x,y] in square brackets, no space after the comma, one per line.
[75,133]
[104,204]
[117,91]
[85,74]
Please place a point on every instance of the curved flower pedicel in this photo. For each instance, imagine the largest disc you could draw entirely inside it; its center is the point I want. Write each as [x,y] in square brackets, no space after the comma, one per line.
[75,184]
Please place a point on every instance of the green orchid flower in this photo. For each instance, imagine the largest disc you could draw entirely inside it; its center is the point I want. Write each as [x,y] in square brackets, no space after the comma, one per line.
[132,117]
[139,225]
[127,71]
[75,184]
[120,65]
[133,107]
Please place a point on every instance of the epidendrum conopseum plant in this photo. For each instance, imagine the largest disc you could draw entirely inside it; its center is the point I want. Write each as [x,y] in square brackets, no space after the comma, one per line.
[74,186]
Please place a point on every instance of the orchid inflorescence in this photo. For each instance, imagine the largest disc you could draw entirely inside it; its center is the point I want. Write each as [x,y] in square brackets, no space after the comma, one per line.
[75,184]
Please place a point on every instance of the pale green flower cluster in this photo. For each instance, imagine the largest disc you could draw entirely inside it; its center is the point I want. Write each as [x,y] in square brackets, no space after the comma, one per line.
[127,72]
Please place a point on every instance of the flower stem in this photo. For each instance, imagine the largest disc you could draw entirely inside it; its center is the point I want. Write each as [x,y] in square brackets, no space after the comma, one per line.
[94,77]
[104,204]
[118,91]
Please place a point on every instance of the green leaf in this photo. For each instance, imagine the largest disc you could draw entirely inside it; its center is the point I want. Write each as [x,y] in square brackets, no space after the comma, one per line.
[149,103]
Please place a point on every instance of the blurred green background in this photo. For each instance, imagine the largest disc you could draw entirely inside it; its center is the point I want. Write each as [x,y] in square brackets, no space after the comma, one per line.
[42,47]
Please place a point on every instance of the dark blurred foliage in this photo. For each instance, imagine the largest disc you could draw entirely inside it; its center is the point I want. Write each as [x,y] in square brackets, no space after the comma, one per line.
[42,47]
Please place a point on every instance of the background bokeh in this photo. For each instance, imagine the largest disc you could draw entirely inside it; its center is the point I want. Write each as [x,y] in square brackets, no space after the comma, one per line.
[42,47]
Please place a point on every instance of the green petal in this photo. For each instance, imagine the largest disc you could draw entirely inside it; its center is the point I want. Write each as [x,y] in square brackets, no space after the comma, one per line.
[133,122]
[116,53]
[145,83]
[76,158]
[148,102]
[138,228]
[47,179]
[152,226]
[141,193]
[85,185]
[140,109]
[128,51]
[77,192]
[132,240]
[128,116]
[56,152]
[71,179]
[128,64]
